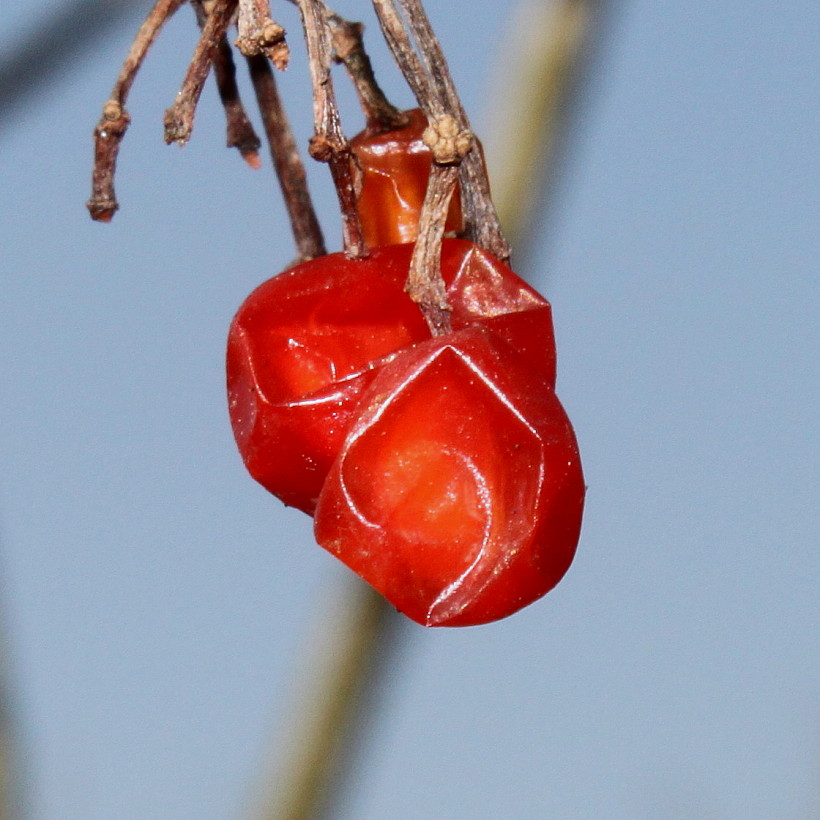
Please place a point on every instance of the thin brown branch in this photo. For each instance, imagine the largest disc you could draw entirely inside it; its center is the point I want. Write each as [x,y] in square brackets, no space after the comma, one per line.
[179,118]
[115,119]
[432,55]
[481,222]
[430,80]
[325,111]
[107,139]
[449,141]
[259,33]
[396,36]
[329,143]
[425,284]
[162,11]
[286,160]
[348,48]
[241,134]
[419,55]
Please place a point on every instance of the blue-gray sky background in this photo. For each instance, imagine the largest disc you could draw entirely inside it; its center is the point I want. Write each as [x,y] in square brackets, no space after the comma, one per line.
[156,599]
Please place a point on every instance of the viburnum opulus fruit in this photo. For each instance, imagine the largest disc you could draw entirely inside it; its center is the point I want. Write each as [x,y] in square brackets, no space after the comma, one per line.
[442,470]
[395,168]
[304,345]
[458,490]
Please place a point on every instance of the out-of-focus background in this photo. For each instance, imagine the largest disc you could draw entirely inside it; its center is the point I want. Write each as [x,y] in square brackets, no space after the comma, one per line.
[156,602]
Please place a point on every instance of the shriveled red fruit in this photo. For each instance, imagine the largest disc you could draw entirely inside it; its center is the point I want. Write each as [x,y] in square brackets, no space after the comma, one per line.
[304,346]
[458,491]
[395,167]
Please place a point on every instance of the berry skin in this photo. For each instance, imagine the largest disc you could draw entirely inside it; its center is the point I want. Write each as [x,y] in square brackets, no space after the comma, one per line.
[305,345]
[395,167]
[458,491]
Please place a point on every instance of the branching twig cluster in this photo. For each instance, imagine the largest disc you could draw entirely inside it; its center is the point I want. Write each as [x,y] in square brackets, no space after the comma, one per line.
[329,38]
[115,119]
[262,41]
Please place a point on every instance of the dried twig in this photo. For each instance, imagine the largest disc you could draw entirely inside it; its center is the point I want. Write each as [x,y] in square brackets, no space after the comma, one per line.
[481,221]
[429,77]
[432,55]
[397,38]
[285,155]
[425,284]
[115,119]
[421,59]
[347,39]
[241,134]
[240,131]
[329,143]
[259,33]
[264,39]
[179,118]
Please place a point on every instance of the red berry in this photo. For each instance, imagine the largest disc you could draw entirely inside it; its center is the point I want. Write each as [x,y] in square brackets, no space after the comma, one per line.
[305,345]
[458,491]
[395,167]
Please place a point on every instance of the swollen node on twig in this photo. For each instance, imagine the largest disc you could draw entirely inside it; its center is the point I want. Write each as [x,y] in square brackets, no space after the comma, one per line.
[112,110]
[178,121]
[320,148]
[268,40]
[448,143]
[102,210]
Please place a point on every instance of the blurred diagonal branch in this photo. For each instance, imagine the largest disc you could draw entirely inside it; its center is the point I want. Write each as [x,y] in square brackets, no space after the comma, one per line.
[545,60]
[11,758]
[54,40]
[341,677]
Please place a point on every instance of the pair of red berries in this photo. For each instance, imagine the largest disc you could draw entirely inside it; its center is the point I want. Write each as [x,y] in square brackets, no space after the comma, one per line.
[443,470]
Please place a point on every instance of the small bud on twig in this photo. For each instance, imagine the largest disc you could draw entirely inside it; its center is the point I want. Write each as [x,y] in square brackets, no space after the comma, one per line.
[447,142]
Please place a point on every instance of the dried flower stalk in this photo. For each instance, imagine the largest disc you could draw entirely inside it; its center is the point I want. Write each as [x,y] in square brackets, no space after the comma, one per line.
[329,143]
[115,119]
[285,155]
